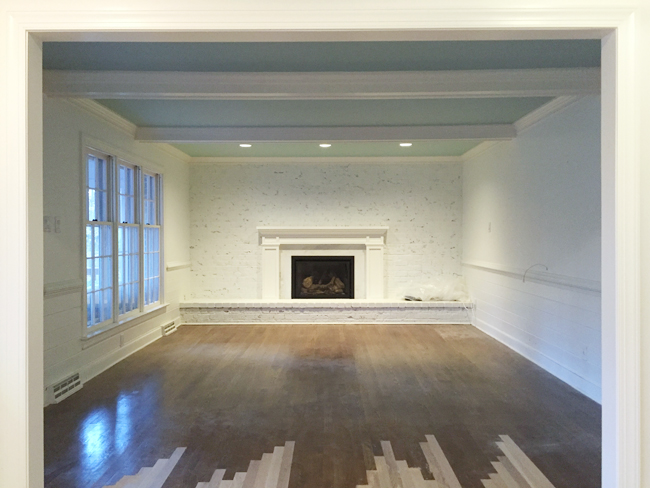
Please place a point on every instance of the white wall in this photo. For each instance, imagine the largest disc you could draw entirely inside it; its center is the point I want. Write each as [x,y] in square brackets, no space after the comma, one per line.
[536,200]
[421,204]
[65,127]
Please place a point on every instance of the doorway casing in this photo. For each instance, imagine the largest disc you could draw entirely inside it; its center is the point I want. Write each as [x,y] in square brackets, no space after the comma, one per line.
[21,255]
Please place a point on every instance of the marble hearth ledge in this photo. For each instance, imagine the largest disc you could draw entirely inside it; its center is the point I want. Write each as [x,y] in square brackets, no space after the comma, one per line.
[227,312]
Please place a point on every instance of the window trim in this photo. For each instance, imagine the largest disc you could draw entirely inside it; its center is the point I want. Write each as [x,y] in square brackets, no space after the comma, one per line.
[115,157]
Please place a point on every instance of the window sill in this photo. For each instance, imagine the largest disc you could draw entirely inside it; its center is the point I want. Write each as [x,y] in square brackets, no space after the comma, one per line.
[113,329]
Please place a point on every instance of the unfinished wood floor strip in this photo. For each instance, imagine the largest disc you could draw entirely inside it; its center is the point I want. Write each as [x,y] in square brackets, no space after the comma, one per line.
[507,478]
[146,480]
[382,472]
[274,468]
[262,473]
[391,462]
[498,481]
[285,465]
[215,481]
[251,474]
[513,472]
[405,475]
[448,479]
[373,479]
[488,484]
[533,475]
[161,476]
[226,484]
[238,480]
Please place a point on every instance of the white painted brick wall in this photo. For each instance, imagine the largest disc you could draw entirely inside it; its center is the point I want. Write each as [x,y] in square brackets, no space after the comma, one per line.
[421,203]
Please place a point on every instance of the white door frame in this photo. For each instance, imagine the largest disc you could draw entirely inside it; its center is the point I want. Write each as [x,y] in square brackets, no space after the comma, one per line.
[21,250]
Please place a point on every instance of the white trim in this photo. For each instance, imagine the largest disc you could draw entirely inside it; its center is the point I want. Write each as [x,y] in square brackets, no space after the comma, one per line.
[551,108]
[479,149]
[340,240]
[378,85]
[329,160]
[561,372]
[291,235]
[176,265]
[174,153]
[537,276]
[59,288]
[101,112]
[179,135]
[120,123]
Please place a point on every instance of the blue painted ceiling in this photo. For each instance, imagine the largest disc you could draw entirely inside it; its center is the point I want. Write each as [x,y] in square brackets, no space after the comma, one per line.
[322,57]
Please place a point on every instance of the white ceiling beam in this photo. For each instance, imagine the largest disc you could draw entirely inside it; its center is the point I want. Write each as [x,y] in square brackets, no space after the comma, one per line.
[181,135]
[322,86]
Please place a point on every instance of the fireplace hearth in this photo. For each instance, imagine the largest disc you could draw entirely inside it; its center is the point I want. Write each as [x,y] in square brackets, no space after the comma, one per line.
[322,277]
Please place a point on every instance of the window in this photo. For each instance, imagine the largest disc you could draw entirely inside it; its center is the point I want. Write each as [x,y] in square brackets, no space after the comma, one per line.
[123,248]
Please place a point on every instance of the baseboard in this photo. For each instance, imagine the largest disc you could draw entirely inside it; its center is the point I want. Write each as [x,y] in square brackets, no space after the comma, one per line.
[559,371]
[100,365]
[315,324]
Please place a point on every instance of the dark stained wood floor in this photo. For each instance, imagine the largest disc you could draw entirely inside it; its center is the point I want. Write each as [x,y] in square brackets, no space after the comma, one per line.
[231,393]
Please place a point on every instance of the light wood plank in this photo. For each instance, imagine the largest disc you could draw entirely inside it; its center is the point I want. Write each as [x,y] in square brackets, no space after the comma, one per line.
[285,466]
[226,484]
[238,480]
[505,475]
[251,474]
[274,469]
[449,478]
[217,476]
[147,479]
[513,472]
[488,483]
[391,462]
[405,474]
[373,479]
[382,472]
[498,481]
[263,472]
[523,463]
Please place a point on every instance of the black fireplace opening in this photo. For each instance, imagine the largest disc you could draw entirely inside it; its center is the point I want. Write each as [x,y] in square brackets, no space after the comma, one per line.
[322,276]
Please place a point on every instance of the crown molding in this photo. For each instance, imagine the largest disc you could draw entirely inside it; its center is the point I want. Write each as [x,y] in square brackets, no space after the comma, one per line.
[98,110]
[554,106]
[328,160]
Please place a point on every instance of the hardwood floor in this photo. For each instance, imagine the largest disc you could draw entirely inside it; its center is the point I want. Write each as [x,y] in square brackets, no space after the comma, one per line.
[231,393]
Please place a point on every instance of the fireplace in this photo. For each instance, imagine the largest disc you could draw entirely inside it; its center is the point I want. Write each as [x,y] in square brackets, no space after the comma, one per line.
[322,277]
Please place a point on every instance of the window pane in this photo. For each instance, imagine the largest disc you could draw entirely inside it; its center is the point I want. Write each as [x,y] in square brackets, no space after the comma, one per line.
[99,272]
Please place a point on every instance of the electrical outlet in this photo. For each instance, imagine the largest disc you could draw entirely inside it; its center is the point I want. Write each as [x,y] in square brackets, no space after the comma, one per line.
[57,225]
[48,224]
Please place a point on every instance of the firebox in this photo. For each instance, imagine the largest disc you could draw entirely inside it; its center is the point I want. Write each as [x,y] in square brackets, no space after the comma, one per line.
[322,276]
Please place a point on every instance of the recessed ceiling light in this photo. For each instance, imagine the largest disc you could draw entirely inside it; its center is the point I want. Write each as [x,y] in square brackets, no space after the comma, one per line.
[406,144]
[245,145]
[325,145]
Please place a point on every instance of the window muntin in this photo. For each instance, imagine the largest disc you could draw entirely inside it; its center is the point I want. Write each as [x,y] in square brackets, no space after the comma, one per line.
[99,241]
[151,247]
[123,243]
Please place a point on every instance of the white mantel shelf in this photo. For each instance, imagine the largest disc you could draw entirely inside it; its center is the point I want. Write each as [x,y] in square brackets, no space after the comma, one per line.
[274,240]
[362,234]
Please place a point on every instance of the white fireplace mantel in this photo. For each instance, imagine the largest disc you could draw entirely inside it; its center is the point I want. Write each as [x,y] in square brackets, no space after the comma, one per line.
[371,239]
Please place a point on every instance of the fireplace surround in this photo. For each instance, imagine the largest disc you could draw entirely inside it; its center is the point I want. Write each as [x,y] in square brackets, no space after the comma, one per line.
[366,244]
